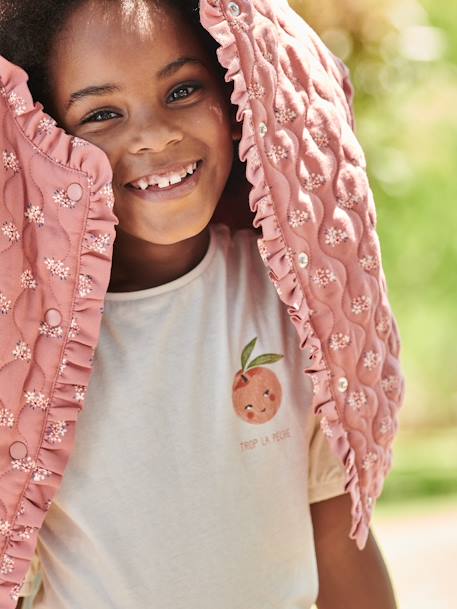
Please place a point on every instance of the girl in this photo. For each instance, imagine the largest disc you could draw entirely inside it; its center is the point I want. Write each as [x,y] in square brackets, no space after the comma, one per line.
[200,475]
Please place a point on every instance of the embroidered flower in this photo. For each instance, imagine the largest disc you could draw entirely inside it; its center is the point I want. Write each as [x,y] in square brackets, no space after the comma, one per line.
[339,341]
[285,115]
[23,465]
[314,181]
[77,142]
[15,590]
[390,383]
[5,304]
[46,125]
[5,527]
[369,459]
[255,91]
[357,399]
[99,243]
[383,325]
[6,418]
[321,139]
[22,351]
[276,153]
[26,533]
[7,565]
[74,328]
[323,277]
[55,431]
[360,304]
[107,193]
[10,231]
[385,425]
[80,393]
[85,285]
[326,430]
[40,473]
[263,250]
[348,201]
[50,332]
[33,213]
[289,255]
[369,263]
[297,217]
[62,366]
[10,161]
[35,399]
[371,359]
[18,103]
[27,280]
[57,268]
[62,199]
[334,236]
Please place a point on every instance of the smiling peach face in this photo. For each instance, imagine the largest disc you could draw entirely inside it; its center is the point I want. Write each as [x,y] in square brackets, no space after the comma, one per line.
[256,395]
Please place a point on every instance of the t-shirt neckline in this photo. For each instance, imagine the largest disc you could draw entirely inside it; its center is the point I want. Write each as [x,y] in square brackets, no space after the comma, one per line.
[176,283]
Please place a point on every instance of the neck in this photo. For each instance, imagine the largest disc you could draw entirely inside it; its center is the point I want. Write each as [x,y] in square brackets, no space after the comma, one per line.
[139,265]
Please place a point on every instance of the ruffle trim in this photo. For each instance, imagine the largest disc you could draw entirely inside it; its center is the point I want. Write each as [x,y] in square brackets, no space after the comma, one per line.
[273,251]
[38,486]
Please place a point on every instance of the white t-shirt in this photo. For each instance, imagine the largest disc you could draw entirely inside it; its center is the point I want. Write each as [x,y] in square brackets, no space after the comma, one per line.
[187,490]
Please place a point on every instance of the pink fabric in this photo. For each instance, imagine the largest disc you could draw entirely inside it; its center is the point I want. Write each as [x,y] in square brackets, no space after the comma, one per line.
[311,199]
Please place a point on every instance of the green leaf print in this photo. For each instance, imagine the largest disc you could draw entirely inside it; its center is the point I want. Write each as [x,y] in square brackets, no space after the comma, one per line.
[247,352]
[267,358]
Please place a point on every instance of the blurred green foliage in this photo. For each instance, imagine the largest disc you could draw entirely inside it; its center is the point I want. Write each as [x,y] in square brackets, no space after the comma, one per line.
[402,55]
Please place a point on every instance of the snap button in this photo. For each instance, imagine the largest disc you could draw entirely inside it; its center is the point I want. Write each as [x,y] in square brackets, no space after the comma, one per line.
[303,260]
[53,318]
[18,450]
[234,8]
[342,384]
[75,192]
[263,129]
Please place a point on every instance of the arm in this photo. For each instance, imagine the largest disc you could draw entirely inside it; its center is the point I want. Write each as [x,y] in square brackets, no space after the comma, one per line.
[349,578]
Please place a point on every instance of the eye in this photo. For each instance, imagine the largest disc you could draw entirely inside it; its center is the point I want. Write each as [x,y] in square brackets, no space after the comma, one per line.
[183,88]
[100,116]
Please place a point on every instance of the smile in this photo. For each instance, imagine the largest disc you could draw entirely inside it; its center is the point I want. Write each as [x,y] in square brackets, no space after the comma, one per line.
[154,192]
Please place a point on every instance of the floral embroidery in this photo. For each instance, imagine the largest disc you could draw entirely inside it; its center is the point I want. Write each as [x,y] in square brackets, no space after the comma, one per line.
[324,424]
[6,418]
[26,533]
[369,263]
[46,330]
[390,383]
[276,153]
[357,399]
[107,193]
[40,473]
[61,197]
[324,277]
[371,360]
[85,285]
[7,565]
[23,465]
[35,399]
[360,304]
[74,328]
[33,213]
[314,181]
[348,201]
[22,351]
[10,231]
[285,115]
[339,341]
[255,91]
[62,366]
[383,325]
[5,304]
[321,139]
[77,142]
[289,254]
[18,103]
[297,217]
[55,431]
[385,425]
[80,393]
[100,243]
[10,161]
[5,527]
[334,236]
[57,268]
[27,280]
[15,590]
[263,250]
[369,459]
[46,125]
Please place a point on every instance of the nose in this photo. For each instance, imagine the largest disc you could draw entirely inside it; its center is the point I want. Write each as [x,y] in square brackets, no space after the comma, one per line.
[153,134]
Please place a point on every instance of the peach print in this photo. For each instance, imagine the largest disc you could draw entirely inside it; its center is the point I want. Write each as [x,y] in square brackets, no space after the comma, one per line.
[256,391]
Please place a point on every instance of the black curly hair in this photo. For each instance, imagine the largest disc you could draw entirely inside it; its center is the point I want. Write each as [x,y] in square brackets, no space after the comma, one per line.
[28,29]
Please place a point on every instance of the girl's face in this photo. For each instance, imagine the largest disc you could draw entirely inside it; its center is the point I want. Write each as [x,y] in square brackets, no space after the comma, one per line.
[115,83]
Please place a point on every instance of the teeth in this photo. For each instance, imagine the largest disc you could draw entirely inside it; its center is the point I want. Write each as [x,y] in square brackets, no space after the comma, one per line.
[165,181]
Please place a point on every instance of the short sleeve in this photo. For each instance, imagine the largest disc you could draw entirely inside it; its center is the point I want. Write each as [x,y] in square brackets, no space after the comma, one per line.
[29,585]
[326,474]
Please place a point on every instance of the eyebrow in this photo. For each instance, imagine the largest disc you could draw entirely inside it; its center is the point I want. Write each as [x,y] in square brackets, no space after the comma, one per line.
[108,89]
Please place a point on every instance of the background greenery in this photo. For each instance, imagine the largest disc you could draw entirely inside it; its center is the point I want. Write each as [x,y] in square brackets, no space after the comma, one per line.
[403,60]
